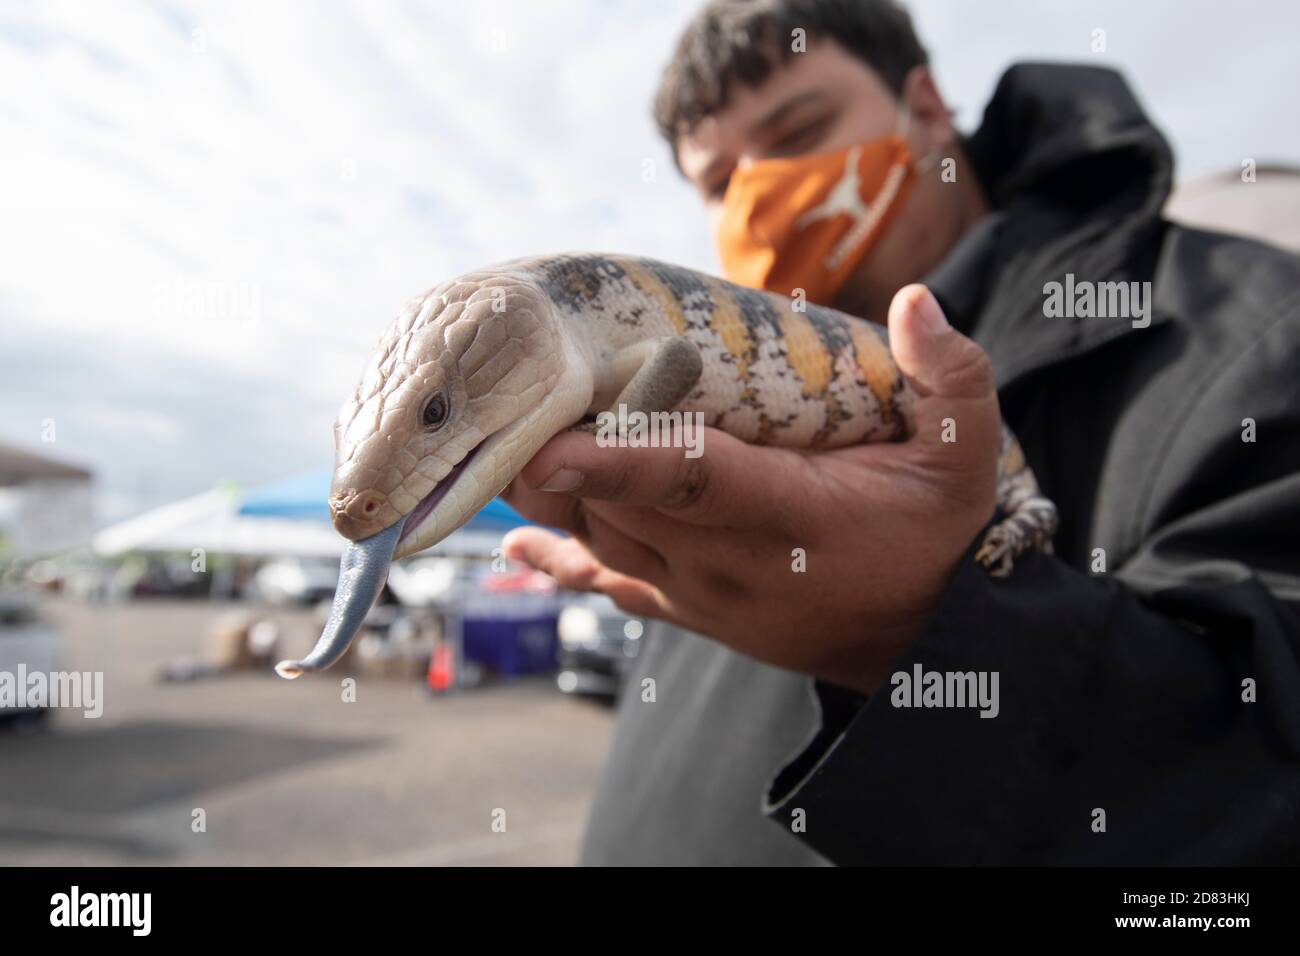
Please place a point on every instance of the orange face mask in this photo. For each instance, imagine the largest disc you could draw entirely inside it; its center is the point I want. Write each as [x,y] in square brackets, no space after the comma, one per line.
[806,222]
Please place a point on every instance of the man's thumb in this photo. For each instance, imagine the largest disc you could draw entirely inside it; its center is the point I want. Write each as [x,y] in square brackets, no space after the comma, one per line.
[936,357]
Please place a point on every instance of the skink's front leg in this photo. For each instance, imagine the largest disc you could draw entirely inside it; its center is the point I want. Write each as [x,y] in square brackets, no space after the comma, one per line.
[651,376]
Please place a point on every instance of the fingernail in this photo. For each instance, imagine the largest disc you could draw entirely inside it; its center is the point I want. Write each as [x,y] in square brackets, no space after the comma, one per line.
[563,479]
[933,321]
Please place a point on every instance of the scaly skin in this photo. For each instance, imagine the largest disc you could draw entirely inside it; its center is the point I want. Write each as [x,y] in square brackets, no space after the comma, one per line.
[524,350]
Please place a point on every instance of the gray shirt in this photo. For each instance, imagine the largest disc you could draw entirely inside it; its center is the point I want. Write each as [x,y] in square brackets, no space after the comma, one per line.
[686,775]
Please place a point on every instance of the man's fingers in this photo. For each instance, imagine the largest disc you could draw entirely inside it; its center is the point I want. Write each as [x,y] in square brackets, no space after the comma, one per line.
[564,559]
[730,484]
[957,419]
[622,552]
[936,357]
[661,532]
[540,507]
[627,538]
[576,564]
[574,567]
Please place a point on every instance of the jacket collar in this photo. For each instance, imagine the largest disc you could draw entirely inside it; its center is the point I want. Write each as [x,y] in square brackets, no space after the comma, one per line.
[1077,177]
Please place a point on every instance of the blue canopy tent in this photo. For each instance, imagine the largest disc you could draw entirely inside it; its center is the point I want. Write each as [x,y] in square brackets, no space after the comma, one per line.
[302,496]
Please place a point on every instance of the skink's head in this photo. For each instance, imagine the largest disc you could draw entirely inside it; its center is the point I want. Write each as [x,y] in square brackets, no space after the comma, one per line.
[470,381]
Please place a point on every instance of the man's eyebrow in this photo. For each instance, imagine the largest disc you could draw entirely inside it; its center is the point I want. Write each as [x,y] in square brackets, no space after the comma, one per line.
[768,119]
[780,112]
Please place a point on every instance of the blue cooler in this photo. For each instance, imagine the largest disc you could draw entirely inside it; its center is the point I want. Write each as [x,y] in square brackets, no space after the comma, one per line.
[511,634]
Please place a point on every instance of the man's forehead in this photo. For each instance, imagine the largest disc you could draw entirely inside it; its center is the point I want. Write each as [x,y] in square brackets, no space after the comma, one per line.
[826,73]
[742,118]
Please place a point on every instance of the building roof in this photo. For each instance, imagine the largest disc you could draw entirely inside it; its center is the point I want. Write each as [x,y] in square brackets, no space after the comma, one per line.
[1267,208]
[18,466]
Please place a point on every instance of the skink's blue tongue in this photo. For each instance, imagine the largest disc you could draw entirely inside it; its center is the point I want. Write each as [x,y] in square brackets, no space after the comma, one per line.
[362,574]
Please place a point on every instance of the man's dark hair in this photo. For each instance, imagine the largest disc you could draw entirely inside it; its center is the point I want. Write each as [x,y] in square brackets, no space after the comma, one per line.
[740,41]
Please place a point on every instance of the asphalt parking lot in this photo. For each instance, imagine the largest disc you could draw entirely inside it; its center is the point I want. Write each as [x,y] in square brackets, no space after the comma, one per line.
[289,773]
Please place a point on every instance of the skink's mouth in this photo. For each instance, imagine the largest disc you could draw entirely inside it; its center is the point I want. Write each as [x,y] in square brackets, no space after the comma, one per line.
[421,511]
[474,481]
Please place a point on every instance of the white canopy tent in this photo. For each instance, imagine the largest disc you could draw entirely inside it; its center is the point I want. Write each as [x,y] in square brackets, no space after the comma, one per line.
[212,521]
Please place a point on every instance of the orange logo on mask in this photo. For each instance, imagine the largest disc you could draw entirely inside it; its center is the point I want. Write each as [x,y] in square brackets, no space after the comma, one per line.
[806,222]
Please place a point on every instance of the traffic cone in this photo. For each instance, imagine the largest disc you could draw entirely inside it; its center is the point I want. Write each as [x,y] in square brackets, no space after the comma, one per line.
[442,668]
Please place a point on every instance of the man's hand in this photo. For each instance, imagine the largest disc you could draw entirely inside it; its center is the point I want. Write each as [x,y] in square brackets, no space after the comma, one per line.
[710,543]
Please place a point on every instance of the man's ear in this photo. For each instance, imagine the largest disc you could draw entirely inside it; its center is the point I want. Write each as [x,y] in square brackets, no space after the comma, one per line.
[930,127]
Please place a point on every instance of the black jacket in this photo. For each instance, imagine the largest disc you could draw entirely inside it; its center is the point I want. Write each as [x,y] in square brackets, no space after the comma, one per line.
[1163,690]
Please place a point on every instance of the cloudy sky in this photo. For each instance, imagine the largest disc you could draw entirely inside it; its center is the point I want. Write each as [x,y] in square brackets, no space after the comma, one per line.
[211,210]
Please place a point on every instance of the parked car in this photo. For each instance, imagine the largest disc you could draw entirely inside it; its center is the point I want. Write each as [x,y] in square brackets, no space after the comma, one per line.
[26,639]
[431,580]
[160,575]
[598,643]
[296,580]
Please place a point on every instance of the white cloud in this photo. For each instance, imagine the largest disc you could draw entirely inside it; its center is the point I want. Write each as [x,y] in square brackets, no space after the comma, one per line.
[236,197]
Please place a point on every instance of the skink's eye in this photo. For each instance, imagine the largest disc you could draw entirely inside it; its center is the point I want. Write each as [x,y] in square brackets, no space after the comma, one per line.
[434,415]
